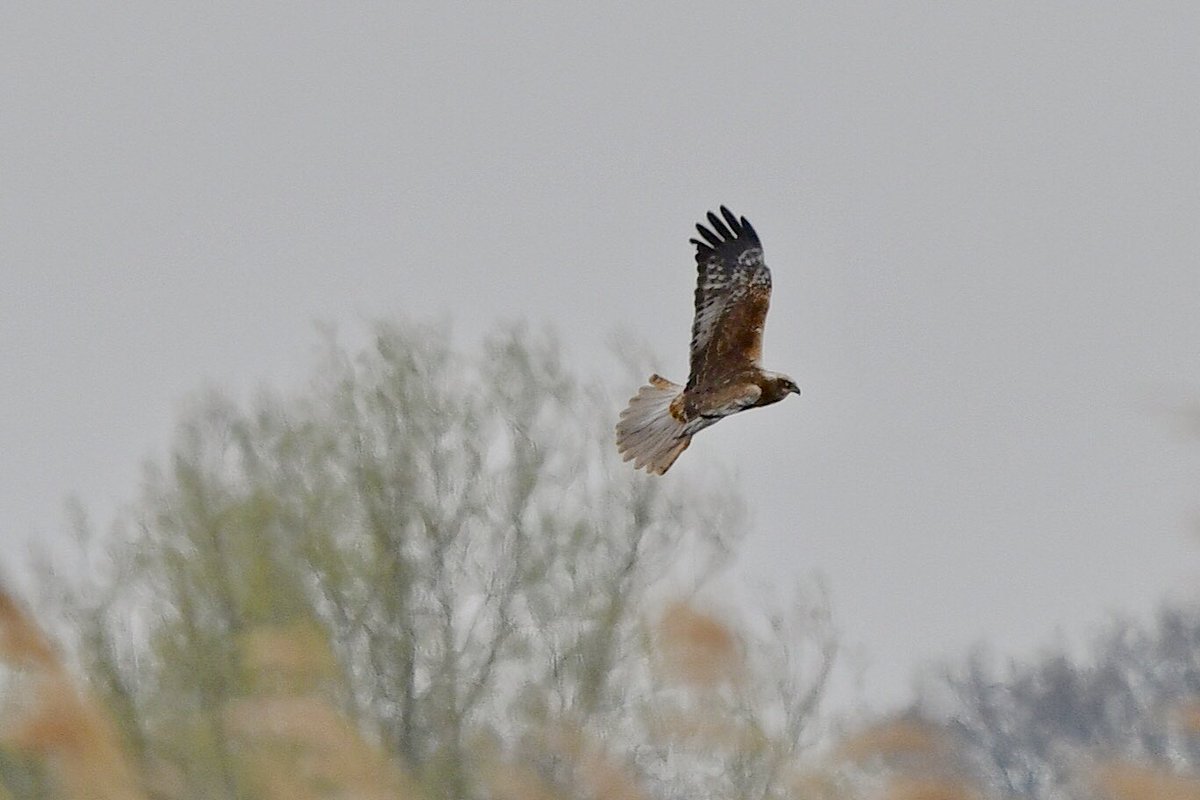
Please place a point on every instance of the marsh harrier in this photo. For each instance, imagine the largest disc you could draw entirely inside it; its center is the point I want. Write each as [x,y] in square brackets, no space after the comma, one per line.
[733,291]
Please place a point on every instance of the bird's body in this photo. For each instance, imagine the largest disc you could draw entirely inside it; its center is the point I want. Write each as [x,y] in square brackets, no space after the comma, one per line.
[733,292]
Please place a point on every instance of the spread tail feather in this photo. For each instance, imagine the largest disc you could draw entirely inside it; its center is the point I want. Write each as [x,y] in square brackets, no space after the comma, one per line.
[647,433]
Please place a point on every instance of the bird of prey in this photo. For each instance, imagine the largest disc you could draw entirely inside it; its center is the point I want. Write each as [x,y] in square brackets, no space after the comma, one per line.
[733,290]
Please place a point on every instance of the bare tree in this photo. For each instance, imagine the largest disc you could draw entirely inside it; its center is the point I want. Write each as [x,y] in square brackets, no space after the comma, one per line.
[470,573]
[1038,729]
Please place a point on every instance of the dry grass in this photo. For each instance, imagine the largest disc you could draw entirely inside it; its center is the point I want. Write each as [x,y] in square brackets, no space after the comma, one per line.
[509,781]
[1137,782]
[293,743]
[818,784]
[58,724]
[895,741]
[704,728]
[1188,715]
[597,773]
[698,648]
[296,743]
[915,760]
[291,746]
[22,643]
[300,650]
[909,788]
[299,747]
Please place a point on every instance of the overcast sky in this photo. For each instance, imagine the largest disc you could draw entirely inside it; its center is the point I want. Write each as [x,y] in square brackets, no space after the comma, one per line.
[984,228]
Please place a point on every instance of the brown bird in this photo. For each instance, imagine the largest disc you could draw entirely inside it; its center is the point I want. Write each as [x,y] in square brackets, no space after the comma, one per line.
[733,291]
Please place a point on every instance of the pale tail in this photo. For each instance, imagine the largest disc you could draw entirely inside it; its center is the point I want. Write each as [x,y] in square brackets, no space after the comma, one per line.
[647,433]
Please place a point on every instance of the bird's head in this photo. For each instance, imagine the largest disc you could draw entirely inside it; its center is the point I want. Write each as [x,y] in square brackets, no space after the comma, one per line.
[783,385]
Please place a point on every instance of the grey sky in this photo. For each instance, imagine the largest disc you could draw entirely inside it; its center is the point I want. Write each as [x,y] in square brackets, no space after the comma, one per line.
[982,222]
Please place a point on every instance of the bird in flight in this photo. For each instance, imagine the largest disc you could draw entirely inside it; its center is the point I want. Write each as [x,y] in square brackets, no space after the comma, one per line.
[733,290]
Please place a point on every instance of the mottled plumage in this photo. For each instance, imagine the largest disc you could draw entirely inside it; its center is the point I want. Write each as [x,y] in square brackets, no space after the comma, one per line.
[733,292]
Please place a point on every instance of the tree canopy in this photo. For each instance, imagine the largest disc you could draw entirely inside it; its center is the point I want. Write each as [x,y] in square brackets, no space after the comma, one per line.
[428,575]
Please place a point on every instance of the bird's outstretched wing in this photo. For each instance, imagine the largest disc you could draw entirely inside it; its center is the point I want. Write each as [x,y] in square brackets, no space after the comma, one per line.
[733,291]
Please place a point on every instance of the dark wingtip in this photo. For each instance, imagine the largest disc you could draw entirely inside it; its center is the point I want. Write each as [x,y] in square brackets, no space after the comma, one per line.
[708,235]
[730,229]
[719,226]
[703,251]
[749,229]
[734,225]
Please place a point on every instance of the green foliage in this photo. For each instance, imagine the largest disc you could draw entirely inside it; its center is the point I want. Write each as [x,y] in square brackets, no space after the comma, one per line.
[441,550]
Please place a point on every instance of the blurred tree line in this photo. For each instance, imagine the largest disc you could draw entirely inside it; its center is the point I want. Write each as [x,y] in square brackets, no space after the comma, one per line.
[1123,719]
[426,576]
